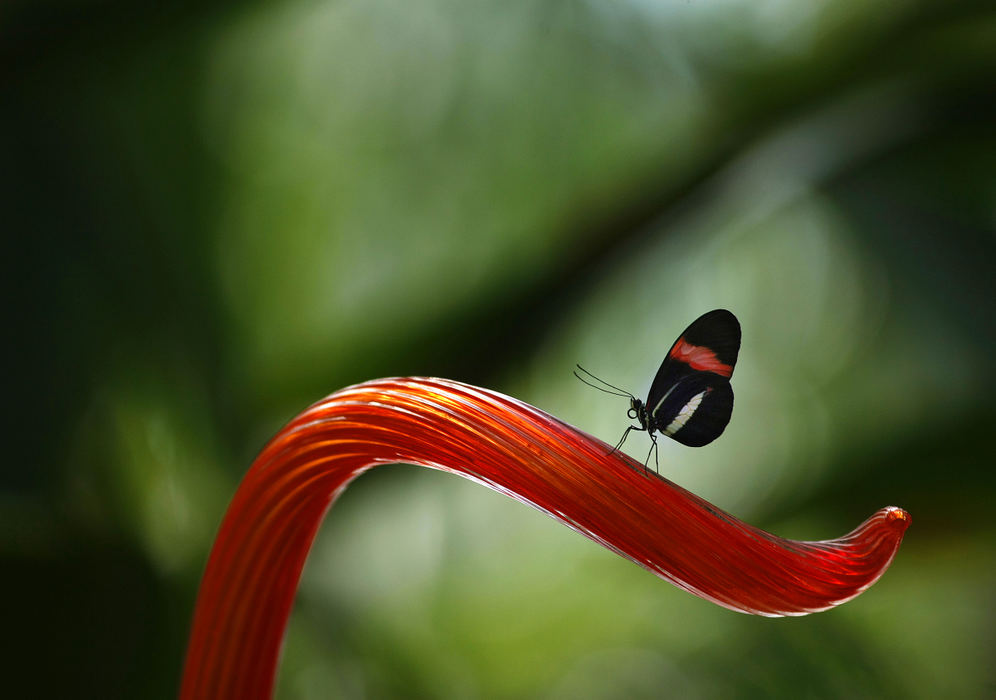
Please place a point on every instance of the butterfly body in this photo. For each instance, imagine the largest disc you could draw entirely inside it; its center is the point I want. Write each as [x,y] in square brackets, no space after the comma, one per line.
[690,399]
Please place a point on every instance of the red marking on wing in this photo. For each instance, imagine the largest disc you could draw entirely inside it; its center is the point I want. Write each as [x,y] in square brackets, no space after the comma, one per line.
[700,357]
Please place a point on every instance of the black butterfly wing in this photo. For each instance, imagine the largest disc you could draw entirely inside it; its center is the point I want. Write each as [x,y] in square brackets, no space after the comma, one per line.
[700,360]
[696,410]
[718,332]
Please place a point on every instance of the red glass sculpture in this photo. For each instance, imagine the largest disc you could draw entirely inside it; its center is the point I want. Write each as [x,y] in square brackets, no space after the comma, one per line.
[253,571]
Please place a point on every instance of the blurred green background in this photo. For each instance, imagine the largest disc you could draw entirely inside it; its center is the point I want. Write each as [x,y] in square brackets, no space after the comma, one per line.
[215,214]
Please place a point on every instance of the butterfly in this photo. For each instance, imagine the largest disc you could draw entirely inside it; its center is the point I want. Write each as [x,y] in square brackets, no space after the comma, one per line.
[690,399]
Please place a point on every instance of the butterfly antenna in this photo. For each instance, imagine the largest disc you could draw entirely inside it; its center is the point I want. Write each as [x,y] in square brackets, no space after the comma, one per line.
[617,392]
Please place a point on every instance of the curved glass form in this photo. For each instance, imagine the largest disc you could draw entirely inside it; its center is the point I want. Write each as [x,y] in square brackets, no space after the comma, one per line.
[253,571]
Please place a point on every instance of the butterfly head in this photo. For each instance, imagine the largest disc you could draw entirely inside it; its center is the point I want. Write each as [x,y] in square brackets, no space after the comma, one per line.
[638,412]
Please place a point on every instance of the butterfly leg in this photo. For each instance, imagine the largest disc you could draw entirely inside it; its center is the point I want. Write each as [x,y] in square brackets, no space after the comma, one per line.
[622,439]
[653,448]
